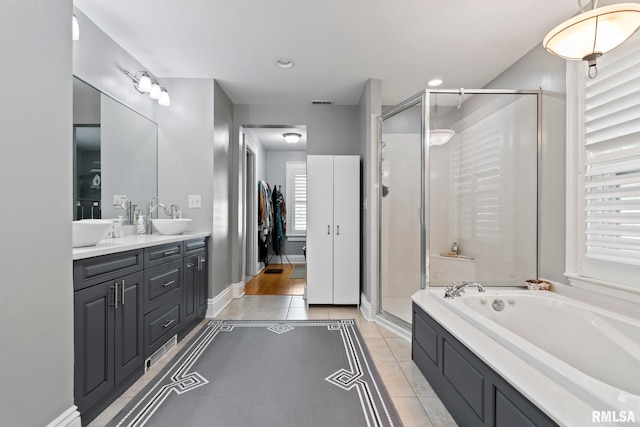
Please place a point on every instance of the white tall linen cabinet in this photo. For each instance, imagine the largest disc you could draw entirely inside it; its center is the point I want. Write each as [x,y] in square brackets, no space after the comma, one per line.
[333,230]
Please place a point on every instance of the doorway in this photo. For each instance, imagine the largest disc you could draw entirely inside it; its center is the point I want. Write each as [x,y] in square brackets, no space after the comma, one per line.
[275,209]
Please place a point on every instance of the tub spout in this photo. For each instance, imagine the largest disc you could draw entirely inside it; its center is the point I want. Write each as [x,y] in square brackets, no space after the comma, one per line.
[457,288]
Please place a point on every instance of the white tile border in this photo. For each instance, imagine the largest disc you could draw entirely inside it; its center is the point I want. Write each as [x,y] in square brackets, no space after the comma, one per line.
[69,418]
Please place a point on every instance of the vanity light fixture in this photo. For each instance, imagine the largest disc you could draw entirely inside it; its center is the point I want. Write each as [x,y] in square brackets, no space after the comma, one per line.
[143,83]
[292,137]
[75,28]
[593,33]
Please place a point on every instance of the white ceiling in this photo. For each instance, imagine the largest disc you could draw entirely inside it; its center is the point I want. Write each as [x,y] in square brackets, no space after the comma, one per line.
[336,44]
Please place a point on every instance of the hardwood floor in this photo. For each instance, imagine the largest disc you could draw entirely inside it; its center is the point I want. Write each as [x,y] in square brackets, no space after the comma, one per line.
[275,284]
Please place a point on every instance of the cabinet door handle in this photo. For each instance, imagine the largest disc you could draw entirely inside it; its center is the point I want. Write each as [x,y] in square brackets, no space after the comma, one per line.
[338,230]
[166,325]
[122,292]
[170,253]
[169,283]
[190,265]
[328,229]
[115,295]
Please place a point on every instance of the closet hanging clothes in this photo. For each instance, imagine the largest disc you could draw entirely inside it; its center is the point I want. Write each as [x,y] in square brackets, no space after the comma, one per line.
[265,220]
[279,228]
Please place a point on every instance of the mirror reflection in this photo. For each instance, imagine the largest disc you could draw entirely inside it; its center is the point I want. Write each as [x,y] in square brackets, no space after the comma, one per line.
[115,154]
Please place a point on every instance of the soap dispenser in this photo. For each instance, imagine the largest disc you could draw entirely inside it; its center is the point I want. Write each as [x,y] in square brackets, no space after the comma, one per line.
[454,248]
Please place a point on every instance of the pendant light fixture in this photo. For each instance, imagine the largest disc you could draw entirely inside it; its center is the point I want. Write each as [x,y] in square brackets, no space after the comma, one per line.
[438,136]
[594,32]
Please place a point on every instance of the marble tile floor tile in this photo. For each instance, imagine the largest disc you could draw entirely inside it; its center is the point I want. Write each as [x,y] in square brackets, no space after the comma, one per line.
[413,397]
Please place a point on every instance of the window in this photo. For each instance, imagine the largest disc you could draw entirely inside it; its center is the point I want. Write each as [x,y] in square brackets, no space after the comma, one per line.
[296,198]
[606,137]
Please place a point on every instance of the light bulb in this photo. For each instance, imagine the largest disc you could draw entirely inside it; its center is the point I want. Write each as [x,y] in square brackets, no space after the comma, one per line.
[144,82]
[75,28]
[155,90]
[164,99]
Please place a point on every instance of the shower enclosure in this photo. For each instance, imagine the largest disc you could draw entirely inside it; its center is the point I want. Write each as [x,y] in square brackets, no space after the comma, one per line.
[458,193]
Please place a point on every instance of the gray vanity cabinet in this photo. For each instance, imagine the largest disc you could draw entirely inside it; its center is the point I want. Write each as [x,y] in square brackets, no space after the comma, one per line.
[108,337]
[194,300]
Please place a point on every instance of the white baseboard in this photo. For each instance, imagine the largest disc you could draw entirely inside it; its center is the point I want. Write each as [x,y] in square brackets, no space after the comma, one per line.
[365,308]
[218,303]
[295,259]
[69,418]
[238,289]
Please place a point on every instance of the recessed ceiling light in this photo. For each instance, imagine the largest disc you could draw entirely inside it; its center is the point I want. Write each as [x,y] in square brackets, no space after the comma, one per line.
[284,63]
[434,82]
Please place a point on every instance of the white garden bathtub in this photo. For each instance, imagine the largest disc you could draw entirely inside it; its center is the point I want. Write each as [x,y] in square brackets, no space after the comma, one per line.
[571,350]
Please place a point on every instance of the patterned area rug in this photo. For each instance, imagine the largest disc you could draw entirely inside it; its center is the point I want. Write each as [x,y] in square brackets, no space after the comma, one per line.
[267,373]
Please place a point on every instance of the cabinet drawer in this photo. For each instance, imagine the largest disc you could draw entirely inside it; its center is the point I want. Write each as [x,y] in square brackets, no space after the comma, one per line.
[156,255]
[160,325]
[91,271]
[162,284]
[194,246]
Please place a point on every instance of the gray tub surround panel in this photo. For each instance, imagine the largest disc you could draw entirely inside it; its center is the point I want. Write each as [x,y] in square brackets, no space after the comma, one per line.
[480,381]
[127,304]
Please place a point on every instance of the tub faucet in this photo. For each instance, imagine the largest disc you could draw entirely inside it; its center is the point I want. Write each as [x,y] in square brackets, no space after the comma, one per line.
[457,289]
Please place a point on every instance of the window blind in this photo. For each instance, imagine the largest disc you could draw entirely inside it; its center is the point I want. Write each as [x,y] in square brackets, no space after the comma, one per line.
[478,183]
[297,198]
[611,147]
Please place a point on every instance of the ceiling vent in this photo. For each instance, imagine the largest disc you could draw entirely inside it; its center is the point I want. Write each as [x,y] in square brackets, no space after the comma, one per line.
[321,102]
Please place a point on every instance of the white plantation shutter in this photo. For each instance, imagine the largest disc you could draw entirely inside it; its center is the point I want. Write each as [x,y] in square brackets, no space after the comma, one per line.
[296,198]
[611,166]
[478,183]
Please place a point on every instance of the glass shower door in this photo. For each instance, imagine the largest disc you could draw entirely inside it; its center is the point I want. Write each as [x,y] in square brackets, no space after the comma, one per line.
[400,223]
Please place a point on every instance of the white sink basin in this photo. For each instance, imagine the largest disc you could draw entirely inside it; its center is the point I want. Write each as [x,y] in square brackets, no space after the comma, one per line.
[171,226]
[88,232]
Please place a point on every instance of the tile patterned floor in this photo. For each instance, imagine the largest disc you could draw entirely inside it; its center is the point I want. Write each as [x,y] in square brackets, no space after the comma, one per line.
[415,400]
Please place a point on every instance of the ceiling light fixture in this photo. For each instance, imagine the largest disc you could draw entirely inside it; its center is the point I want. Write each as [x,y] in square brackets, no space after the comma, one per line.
[142,83]
[434,82]
[284,63]
[75,28]
[593,33]
[292,137]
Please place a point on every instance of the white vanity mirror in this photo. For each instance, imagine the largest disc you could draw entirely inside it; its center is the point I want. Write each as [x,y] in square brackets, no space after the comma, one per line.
[115,154]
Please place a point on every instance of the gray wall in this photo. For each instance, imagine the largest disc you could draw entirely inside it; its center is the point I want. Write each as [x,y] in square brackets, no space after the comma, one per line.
[538,69]
[369,108]
[277,175]
[36,298]
[222,196]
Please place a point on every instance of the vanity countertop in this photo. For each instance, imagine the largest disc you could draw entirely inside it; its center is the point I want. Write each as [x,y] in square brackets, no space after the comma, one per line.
[127,243]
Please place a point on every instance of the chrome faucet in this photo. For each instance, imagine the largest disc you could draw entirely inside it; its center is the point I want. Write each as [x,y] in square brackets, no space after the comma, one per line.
[457,289]
[128,210]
